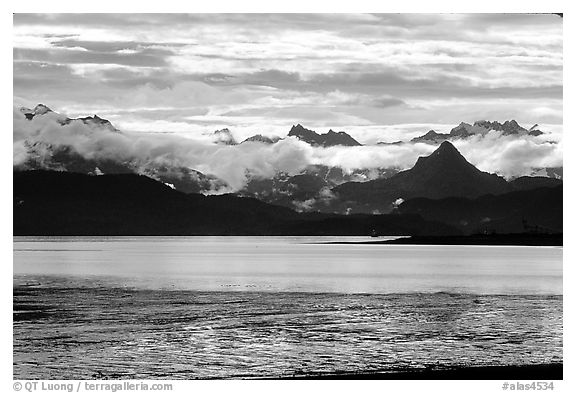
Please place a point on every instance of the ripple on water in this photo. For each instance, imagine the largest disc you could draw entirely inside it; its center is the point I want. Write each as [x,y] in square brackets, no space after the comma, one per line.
[64,333]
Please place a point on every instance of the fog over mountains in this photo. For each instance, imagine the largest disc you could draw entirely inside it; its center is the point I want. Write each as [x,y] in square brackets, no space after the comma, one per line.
[217,163]
[304,171]
[286,108]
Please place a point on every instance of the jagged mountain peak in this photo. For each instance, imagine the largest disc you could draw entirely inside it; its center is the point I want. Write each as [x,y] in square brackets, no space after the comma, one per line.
[98,122]
[446,155]
[511,122]
[446,148]
[41,109]
[431,137]
[463,125]
[262,139]
[491,125]
[482,127]
[224,137]
[461,130]
[444,173]
[331,138]
[299,130]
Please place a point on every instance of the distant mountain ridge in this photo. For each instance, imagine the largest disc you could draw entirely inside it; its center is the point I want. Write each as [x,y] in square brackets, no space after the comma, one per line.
[42,155]
[331,138]
[262,139]
[315,187]
[480,127]
[431,136]
[94,121]
[224,137]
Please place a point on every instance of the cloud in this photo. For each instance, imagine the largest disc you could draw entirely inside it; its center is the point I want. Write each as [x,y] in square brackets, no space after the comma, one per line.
[323,197]
[75,56]
[510,156]
[304,206]
[230,163]
[507,155]
[391,62]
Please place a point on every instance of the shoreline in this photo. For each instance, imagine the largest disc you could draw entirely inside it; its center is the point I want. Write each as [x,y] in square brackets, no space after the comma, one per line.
[519,239]
[532,372]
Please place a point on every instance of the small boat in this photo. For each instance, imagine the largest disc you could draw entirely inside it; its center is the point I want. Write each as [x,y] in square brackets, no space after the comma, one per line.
[374,233]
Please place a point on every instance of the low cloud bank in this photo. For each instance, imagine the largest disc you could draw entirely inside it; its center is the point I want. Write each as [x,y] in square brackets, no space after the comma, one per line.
[509,156]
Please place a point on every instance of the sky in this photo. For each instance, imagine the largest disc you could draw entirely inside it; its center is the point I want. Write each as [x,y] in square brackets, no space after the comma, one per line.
[383,77]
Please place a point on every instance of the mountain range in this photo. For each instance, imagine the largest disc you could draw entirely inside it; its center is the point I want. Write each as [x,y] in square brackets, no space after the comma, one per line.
[442,194]
[294,191]
[63,203]
[94,121]
[481,127]
[443,175]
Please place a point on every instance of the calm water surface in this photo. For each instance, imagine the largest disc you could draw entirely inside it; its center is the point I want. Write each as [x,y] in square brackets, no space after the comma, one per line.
[206,307]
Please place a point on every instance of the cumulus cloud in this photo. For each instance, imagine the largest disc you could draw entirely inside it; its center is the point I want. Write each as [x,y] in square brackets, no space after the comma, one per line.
[380,156]
[510,156]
